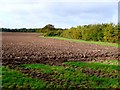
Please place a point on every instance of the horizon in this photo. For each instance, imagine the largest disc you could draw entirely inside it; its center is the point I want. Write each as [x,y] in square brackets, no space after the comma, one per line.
[57,27]
[36,14]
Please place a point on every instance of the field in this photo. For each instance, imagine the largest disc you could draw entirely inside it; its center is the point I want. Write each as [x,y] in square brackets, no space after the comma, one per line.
[34,62]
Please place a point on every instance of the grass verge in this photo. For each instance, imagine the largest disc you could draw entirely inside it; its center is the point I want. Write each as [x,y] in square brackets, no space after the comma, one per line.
[12,79]
[94,65]
[89,42]
[109,62]
[74,77]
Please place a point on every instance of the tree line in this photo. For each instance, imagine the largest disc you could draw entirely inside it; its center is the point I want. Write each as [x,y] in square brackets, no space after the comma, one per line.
[18,30]
[93,32]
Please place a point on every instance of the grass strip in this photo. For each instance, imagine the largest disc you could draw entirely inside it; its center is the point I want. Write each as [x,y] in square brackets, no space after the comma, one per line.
[44,68]
[94,65]
[12,79]
[74,77]
[89,42]
[109,62]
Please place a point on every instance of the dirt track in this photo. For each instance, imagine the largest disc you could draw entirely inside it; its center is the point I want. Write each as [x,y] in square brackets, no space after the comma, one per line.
[29,48]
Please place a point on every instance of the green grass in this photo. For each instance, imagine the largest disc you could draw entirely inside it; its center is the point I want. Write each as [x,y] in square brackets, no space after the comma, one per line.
[94,65]
[12,79]
[70,75]
[43,68]
[89,42]
[84,81]
[110,62]
[73,76]
[0,76]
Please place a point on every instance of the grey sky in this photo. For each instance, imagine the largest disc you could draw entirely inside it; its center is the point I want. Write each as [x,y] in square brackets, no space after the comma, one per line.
[64,14]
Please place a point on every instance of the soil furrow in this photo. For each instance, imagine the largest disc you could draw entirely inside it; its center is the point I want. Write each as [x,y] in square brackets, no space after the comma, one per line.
[19,48]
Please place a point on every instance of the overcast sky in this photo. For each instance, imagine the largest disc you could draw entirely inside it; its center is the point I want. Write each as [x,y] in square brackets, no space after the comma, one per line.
[61,13]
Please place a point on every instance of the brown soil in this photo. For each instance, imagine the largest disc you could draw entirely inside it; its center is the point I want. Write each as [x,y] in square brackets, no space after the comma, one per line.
[19,48]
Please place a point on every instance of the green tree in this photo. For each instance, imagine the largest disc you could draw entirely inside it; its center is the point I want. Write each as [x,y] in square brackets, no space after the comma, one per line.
[49,26]
[109,33]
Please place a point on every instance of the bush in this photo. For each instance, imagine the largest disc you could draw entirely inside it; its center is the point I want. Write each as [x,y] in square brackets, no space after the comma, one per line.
[96,32]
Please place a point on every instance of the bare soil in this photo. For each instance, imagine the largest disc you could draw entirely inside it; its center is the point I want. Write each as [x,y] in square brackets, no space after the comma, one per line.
[21,48]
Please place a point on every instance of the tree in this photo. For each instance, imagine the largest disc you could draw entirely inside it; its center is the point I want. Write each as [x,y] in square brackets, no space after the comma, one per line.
[49,26]
[110,33]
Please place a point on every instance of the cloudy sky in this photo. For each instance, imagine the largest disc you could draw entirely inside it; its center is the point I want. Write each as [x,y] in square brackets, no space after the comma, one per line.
[61,13]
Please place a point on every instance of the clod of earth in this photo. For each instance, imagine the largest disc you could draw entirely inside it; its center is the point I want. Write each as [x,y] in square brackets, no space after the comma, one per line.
[29,48]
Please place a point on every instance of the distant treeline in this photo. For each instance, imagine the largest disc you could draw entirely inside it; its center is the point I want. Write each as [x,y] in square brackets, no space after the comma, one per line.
[18,30]
[47,28]
[93,32]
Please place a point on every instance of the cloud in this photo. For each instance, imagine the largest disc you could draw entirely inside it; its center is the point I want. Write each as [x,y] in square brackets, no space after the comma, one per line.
[32,14]
[119,12]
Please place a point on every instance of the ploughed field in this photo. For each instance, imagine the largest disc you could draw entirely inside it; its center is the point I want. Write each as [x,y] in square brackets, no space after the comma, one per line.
[30,48]
[31,61]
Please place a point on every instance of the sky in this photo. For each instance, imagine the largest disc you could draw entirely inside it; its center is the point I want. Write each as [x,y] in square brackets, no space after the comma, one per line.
[60,13]
[119,12]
